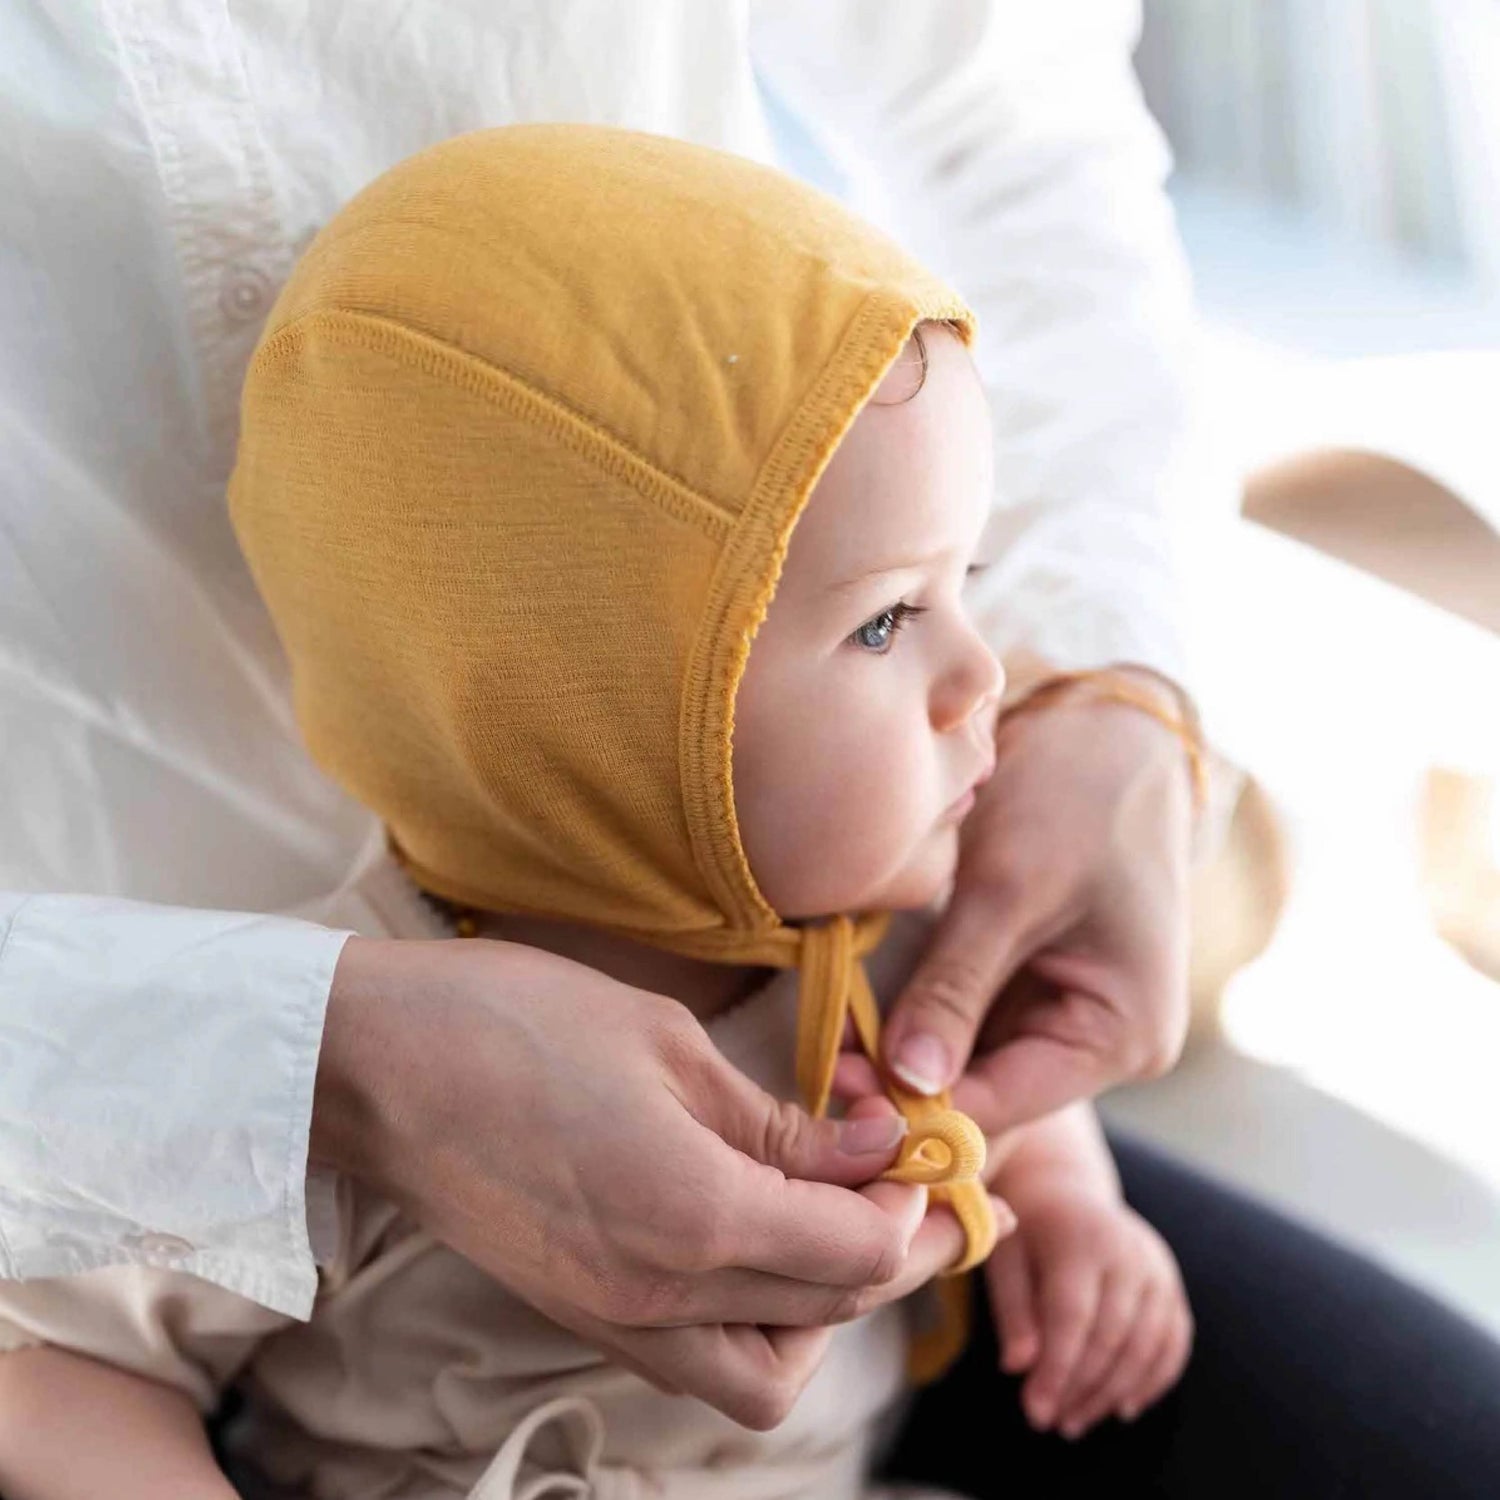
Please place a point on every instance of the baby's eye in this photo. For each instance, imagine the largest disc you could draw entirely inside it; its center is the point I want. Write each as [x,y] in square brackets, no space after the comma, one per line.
[876,634]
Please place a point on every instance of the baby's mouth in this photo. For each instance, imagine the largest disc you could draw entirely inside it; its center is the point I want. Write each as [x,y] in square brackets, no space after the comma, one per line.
[965,799]
[958,807]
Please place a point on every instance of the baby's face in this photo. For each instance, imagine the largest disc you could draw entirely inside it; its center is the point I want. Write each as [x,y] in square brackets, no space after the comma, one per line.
[867,709]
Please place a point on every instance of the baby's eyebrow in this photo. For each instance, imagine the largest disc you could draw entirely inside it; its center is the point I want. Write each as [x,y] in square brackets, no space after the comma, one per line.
[910,566]
[907,565]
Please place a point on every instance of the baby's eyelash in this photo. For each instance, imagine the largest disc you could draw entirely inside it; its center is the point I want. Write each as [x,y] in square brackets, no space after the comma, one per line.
[890,621]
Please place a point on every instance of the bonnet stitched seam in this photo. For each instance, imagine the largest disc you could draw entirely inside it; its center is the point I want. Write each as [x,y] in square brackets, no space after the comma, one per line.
[514,395]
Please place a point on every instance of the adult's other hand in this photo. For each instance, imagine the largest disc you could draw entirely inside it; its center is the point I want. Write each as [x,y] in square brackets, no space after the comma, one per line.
[585,1143]
[1060,965]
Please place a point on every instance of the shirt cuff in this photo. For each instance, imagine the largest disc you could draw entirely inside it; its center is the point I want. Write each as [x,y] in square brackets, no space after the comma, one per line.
[157,1068]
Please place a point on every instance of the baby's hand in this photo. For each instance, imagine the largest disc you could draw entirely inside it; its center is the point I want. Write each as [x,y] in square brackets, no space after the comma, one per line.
[1087,1298]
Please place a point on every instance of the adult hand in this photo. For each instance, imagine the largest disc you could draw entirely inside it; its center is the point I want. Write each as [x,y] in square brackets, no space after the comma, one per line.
[585,1143]
[1060,963]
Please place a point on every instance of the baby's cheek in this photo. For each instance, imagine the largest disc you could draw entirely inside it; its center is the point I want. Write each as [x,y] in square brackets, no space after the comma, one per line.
[847,822]
[860,852]
[926,875]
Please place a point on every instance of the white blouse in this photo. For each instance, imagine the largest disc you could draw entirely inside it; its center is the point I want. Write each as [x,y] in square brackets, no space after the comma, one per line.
[164,162]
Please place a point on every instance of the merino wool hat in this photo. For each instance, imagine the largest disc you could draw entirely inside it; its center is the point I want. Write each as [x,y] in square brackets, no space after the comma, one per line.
[523,443]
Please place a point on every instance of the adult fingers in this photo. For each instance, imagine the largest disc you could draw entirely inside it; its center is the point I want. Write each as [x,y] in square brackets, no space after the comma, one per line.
[936,1244]
[936,1247]
[932,1026]
[751,1374]
[780,1134]
[1030,1076]
[810,1231]
[735,1294]
[754,1374]
[776,1204]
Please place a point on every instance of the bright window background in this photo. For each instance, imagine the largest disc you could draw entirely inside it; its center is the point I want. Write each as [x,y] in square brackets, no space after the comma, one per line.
[1337,188]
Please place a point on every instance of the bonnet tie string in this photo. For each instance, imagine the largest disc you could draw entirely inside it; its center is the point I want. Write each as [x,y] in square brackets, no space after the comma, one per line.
[944,1149]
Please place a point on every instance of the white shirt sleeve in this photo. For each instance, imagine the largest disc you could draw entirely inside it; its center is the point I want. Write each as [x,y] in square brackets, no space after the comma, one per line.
[1006,142]
[109,1157]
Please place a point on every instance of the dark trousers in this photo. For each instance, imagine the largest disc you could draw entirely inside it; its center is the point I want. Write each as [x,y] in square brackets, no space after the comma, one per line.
[1314,1374]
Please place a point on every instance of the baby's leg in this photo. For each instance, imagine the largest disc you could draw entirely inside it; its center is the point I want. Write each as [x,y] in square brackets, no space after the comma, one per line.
[72,1428]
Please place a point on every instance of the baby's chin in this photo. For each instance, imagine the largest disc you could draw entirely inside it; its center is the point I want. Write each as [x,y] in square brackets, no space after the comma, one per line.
[925,879]
[913,880]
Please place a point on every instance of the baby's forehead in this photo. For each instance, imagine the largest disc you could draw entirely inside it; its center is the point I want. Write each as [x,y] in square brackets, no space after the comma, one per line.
[907,482]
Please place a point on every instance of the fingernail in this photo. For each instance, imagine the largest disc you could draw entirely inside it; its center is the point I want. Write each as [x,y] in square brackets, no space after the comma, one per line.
[921,1063]
[1129,1412]
[1041,1413]
[1071,1431]
[875,1133]
[912,1214]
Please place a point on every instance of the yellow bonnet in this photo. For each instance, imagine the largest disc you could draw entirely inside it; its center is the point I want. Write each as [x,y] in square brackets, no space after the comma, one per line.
[523,443]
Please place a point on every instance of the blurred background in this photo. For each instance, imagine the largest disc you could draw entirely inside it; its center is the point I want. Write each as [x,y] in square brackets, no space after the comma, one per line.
[1338,191]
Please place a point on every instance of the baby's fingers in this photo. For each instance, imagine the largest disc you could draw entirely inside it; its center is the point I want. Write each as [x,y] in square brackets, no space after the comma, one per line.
[1125,1387]
[1118,1309]
[1167,1369]
[1069,1300]
[1009,1278]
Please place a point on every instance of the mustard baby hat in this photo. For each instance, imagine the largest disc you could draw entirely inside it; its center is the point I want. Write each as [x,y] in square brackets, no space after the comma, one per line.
[522,446]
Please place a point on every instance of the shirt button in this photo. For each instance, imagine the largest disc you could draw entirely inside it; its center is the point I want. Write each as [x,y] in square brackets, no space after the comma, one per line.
[245,294]
[168,1246]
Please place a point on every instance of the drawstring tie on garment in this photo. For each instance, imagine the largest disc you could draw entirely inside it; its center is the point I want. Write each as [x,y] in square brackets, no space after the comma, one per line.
[578,1426]
[944,1149]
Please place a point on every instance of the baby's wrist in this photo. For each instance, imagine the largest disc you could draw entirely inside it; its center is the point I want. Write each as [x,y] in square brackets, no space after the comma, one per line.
[1051,1186]
[1061,1155]
[1056,1192]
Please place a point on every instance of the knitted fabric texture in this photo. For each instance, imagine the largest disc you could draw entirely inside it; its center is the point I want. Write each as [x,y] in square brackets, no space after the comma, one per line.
[523,443]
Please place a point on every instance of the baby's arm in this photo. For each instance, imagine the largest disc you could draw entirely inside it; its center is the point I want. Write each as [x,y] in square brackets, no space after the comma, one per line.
[1087,1297]
[1066,1147]
[72,1428]
[105,1377]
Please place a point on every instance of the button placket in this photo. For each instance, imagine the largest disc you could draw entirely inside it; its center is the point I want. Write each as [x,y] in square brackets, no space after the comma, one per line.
[245,294]
[216,178]
[157,1245]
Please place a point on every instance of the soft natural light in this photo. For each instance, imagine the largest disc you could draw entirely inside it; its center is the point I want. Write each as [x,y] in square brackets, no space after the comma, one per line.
[1339,691]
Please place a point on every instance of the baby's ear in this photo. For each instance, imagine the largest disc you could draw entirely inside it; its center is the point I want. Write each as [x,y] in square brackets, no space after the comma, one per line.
[906,377]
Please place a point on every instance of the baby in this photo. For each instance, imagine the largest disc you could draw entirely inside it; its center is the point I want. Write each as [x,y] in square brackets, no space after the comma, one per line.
[614,500]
